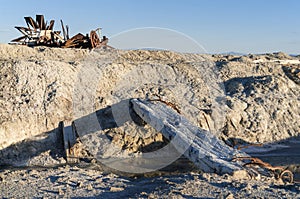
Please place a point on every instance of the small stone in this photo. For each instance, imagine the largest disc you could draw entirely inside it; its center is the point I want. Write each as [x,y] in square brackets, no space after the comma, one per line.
[67,167]
[90,187]
[240,175]
[258,177]
[116,189]
[60,192]
[230,196]
[79,184]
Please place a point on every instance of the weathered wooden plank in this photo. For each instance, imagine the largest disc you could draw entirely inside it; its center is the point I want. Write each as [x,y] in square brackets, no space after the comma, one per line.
[69,140]
[201,147]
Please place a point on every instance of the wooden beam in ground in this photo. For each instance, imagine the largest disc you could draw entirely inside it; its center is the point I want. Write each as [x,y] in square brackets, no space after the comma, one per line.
[69,140]
[201,147]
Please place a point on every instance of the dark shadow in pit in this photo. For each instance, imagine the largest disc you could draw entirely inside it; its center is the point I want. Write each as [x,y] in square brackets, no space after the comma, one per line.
[292,73]
[246,84]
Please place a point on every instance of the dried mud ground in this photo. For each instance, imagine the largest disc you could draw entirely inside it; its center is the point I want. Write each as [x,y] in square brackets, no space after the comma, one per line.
[36,93]
[75,182]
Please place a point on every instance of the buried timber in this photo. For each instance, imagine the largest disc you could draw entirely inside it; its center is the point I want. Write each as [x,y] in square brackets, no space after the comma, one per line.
[205,151]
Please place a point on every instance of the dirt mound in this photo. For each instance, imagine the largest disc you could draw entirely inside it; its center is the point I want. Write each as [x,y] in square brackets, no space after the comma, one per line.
[252,98]
[262,98]
[38,89]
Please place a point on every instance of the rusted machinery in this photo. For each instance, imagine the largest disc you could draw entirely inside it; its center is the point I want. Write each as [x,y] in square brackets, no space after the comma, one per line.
[39,33]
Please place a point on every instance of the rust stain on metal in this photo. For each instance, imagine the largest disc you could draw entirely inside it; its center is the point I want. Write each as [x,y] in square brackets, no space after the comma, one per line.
[38,33]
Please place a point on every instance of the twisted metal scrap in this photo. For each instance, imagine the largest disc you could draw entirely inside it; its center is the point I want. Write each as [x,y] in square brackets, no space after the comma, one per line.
[278,171]
[170,104]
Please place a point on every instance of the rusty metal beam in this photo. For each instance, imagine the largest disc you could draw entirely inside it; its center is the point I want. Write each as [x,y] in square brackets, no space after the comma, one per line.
[31,22]
[41,22]
[23,30]
[67,27]
[94,39]
[50,27]
[18,39]
[63,29]
[75,41]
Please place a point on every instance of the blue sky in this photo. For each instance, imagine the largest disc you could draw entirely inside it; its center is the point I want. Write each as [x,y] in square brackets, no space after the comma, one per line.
[249,26]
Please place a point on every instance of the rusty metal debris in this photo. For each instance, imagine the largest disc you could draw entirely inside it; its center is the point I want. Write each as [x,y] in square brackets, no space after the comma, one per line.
[170,104]
[278,171]
[40,33]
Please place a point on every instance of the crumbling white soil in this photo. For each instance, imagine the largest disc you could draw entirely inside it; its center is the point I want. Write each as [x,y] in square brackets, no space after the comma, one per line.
[39,87]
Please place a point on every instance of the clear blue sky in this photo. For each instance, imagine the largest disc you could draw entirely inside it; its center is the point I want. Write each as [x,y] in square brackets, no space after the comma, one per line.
[247,26]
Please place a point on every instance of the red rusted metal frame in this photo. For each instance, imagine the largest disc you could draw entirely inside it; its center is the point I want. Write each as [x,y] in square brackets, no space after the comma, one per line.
[94,39]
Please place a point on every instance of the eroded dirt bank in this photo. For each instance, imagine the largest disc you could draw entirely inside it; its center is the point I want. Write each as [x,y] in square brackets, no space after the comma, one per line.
[39,87]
